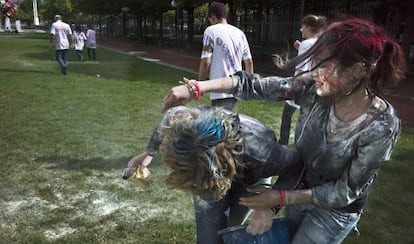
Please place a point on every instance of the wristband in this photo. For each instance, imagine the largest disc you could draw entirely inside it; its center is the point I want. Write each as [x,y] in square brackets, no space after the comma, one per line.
[282,198]
[197,90]
[193,88]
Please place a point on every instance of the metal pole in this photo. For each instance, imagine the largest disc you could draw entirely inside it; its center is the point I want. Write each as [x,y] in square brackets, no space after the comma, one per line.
[1,20]
[35,14]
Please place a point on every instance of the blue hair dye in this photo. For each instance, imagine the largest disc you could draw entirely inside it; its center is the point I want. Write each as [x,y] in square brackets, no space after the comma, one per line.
[210,131]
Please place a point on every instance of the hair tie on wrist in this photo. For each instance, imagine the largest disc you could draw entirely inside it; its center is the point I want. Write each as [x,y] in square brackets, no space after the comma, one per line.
[197,89]
[282,198]
[193,87]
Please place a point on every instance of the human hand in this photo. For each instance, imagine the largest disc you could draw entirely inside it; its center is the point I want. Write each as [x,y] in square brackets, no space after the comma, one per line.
[296,44]
[138,162]
[265,198]
[279,60]
[178,95]
[260,222]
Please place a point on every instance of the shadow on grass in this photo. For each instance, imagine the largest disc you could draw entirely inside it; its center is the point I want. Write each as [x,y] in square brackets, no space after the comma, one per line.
[40,36]
[24,71]
[46,56]
[66,163]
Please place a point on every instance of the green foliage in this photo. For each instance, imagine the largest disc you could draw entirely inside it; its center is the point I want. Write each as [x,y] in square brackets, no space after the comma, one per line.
[201,10]
[49,8]
[65,139]
[25,10]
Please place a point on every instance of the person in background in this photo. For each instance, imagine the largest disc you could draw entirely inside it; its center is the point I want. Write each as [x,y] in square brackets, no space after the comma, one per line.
[311,27]
[225,48]
[345,131]
[91,43]
[215,154]
[61,38]
[79,38]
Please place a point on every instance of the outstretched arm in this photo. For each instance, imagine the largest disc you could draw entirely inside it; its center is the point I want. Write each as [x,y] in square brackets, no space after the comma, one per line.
[242,85]
[180,95]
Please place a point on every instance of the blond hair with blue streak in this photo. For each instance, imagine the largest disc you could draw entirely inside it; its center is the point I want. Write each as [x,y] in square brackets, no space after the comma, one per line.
[202,150]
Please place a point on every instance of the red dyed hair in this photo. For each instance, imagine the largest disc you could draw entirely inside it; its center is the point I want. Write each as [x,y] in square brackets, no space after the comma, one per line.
[356,40]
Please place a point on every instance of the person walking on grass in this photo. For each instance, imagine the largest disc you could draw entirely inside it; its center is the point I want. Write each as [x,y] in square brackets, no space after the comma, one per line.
[61,38]
[79,38]
[91,43]
[345,131]
[225,48]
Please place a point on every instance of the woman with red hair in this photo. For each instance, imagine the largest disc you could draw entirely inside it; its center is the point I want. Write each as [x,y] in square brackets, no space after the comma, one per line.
[345,132]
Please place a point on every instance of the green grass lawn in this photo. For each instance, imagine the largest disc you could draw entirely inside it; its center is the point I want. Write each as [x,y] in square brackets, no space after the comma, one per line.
[65,139]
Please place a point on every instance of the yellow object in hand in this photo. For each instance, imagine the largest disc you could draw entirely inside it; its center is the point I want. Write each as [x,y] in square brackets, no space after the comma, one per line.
[142,174]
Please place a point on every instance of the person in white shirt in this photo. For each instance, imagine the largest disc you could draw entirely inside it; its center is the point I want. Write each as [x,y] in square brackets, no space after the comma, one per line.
[79,38]
[91,43]
[61,38]
[311,27]
[225,47]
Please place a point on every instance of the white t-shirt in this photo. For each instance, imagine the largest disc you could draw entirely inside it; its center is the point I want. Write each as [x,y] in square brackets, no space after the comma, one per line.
[228,48]
[91,35]
[305,65]
[60,30]
[303,47]
[79,39]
